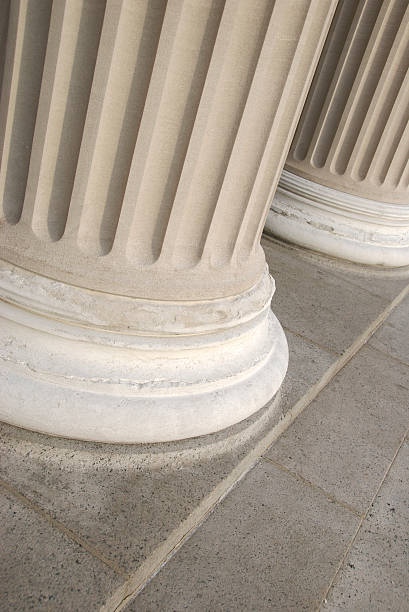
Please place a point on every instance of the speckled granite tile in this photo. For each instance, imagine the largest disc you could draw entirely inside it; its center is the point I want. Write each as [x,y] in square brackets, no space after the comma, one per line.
[272,544]
[375,574]
[41,569]
[345,439]
[393,336]
[311,300]
[125,500]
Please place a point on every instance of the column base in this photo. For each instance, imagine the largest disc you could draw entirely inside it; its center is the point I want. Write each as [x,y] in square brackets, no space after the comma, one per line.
[93,366]
[339,224]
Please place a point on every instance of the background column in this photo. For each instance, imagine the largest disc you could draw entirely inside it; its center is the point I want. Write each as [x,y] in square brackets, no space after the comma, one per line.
[345,187]
[140,142]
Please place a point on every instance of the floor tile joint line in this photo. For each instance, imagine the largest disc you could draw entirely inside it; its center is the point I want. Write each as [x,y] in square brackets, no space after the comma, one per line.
[385,354]
[314,487]
[320,346]
[62,528]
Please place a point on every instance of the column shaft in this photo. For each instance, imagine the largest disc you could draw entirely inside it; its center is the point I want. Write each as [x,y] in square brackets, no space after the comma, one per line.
[130,128]
[345,189]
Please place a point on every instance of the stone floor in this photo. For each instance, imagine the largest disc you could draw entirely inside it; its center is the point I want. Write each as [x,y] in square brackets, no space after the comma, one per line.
[304,506]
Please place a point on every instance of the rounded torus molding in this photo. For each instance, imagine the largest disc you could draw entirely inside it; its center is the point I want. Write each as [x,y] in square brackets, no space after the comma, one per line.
[338,223]
[81,364]
[345,188]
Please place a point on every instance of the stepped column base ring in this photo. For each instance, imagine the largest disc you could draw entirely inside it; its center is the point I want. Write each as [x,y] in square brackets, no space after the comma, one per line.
[339,224]
[92,366]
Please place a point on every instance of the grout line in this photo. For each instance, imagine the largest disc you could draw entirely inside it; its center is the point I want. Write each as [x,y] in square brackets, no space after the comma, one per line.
[313,486]
[159,557]
[375,348]
[358,529]
[320,346]
[60,527]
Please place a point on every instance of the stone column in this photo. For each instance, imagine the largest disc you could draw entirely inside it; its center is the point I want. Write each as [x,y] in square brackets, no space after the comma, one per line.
[139,144]
[345,187]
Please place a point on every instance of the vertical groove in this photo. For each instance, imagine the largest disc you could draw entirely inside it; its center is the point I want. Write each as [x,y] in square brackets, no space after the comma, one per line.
[343,80]
[379,112]
[221,108]
[128,46]
[332,51]
[256,151]
[404,178]
[365,84]
[351,134]
[401,167]
[262,105]
[68,71]
[396,118]
[178,76]
[303,63]
[4,22]
[23,67]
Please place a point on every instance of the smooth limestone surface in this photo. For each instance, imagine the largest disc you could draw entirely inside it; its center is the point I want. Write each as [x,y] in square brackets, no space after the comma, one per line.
[125,500]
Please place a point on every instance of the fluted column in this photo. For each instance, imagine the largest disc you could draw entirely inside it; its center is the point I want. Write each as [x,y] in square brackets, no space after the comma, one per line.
[345,187]
[140,141]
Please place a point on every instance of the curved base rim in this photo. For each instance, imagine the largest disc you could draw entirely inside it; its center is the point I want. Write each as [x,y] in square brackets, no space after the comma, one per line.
[80,382]
[338,224]
[37,404]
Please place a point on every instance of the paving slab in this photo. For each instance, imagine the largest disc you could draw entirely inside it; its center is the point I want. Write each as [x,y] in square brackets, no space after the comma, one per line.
[42,569]
[312,301]
[393,336]
[272,544]
[125,500]
[345,440]
[375,574]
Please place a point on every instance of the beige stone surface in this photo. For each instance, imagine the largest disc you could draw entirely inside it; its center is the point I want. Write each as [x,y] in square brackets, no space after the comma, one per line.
[353,133]
[140,141]
[320,298]
[126,500]
[345,188]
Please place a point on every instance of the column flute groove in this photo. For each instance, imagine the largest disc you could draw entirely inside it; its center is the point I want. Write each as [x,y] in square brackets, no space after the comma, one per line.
[25,49]
[343,190]
[72,45]
[129,42]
